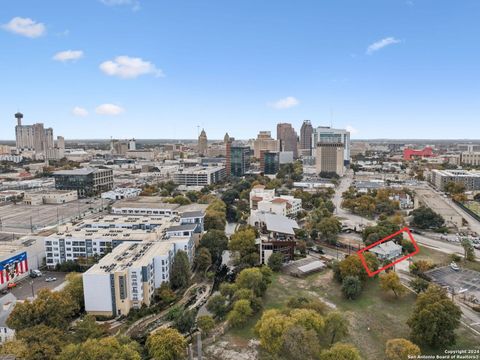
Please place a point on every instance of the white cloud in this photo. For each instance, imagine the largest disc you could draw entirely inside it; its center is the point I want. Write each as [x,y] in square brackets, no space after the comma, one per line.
[109,109]
[68,55]
[381,44]
[134,3]
[285,103]
[79,111]
[129,67]
[351,130]
[25,27]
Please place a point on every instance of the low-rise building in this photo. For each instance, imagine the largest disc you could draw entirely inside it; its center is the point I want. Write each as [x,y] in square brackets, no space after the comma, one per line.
[440,178]
[265,200]
[7,303]
[50,197]
[470,158]
[200,175]
[387,250]
[121,193]
[18,257]
[86,181]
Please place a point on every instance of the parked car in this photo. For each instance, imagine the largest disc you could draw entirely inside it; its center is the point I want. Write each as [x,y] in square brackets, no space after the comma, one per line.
[454,266]
[50,279]
[11,285]
[35,273]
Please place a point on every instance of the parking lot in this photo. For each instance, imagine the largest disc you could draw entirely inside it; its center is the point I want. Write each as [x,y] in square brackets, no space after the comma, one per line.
[26,219]
[459,280]
[23,290]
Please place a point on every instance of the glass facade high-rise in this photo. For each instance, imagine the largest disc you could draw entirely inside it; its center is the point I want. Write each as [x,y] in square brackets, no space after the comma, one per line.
[239,160]
[270,162]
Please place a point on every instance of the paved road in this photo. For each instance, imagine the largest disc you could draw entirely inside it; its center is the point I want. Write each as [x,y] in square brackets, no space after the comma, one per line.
[443,246]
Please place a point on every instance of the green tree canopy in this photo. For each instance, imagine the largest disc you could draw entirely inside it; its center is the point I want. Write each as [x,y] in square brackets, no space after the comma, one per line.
[434,319]
[216,242]
[166,344]
[180,274]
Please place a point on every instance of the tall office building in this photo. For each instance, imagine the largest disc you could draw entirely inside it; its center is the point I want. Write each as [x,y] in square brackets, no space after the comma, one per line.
[264,142]
[238,159]
[328,134]
[329,157]
[32,137]
[202,143]
[288,138]
[269,162]
[132,145]
[306,132]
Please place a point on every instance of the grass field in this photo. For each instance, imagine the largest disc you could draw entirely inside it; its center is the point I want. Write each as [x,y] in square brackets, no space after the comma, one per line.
[374,318]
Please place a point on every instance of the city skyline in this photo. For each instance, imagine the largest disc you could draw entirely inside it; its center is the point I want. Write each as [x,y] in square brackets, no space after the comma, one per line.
[241,68]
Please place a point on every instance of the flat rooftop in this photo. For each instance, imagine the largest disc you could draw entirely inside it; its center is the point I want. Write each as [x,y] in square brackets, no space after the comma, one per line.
[113,233]
[130,255]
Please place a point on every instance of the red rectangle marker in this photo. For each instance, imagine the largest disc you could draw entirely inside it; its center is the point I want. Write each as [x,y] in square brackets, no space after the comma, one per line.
[364,262]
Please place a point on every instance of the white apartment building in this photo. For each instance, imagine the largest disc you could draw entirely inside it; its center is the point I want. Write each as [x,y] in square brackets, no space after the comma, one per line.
[127,277]
[144,206]
[470,158]
[98,236]
[439,178]
[199,175]
[265,200]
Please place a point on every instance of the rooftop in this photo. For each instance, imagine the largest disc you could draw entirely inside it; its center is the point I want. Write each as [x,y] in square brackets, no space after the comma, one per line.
[130,255]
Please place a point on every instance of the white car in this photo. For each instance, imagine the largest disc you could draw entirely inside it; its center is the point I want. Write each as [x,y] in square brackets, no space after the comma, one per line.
[50,279]
[454,266]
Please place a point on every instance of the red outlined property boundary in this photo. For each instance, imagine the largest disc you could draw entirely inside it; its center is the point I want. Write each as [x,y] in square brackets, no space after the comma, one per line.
[364,262]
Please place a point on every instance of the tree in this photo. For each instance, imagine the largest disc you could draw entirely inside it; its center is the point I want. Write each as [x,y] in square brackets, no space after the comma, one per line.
[329,228]
[203,260]
[401,349]
[216,242]
[87,328]
[206,324]
[418,284]
[300,343]
[100,349]
[50,308]
[180,273]
[165,294]
[351,287]
[166,344]
[42,342]
[228,289]
[341,351]
[185,321]
[468,250]
[240,314]
[454,188]
[336,326]
[74,289]
[353,266]
[275,261]
[391,281]
[254,279]
[215,216]
[434,319]
[217,305]
[242,243]
[308,319]
[380,231]
[426,218]
[270,329]
[16,348]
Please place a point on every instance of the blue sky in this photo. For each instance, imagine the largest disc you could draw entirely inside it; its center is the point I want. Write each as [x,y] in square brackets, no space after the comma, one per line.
[159,68]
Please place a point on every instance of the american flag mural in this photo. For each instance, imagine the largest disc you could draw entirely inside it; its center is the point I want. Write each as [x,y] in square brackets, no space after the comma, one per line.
[13,267]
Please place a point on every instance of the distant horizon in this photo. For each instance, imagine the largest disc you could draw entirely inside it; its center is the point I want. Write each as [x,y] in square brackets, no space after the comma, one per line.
[383,69]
